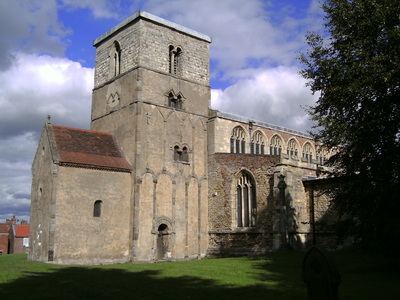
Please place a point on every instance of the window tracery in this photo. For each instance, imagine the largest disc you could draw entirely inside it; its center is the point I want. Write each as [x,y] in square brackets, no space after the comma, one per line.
[238,140]
[257,145]
[308,152]
[293,148]
[246,201]
[275,146]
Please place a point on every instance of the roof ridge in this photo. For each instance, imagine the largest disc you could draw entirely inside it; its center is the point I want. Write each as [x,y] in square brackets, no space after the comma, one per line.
[79,129]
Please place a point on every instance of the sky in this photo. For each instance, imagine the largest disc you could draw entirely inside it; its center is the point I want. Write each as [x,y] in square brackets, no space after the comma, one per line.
[47,67]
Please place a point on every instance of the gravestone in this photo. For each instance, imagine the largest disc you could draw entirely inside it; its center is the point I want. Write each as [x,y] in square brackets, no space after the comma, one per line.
[321,275]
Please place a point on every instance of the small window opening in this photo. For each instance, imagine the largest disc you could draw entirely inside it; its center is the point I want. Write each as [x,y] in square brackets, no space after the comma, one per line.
[181,155]
[97,208]
[175,101]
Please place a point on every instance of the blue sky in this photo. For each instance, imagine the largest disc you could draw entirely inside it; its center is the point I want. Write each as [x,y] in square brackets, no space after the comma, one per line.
[47,61]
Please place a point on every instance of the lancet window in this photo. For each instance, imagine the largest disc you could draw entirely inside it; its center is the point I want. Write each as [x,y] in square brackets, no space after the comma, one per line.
[246,201]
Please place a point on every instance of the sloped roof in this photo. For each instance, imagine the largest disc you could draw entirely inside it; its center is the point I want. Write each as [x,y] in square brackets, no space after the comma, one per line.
[4,228]
[22,231]
[89,149]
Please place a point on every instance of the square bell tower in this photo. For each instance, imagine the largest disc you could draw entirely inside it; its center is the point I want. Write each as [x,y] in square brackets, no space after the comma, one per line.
[152,92]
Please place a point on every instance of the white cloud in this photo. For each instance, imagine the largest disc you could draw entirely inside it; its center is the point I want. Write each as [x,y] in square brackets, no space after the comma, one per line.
[275,96]
[32,88]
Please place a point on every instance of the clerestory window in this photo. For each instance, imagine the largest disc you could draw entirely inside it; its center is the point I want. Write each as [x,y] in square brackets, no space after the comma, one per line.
[308,152]
[238,140]
[275,147]
[293,148]
[257,145]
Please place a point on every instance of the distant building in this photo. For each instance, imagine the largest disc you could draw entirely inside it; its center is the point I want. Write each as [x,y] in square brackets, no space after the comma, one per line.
[14,238]
[160,175]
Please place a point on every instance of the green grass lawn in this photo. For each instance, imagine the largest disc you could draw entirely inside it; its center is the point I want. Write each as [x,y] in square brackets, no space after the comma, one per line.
[272,276]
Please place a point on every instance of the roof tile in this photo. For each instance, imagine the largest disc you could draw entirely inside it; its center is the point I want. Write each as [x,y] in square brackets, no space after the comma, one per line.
[89,149]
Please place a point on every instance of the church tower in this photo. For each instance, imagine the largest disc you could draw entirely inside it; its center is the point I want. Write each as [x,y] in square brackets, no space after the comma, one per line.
[152,92]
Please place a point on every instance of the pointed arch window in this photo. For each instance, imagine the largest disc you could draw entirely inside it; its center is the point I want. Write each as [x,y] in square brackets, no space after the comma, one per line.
[275,147]
[308,152]
[322,155]
[238,140]
[175,100]
[293,148]
[97,208]
[246,201]
[257,145]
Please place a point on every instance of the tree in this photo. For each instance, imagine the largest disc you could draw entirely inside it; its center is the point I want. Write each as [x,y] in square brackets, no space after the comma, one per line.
[356,70]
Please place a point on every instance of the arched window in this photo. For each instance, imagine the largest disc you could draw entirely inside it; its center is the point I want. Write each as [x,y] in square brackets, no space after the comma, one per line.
[97,208]
[175,101]
[175,55]
[293,148]
[275,147]
[181,155]
[322,155]
[238,140]
[257,145]
[308,152]
[115,59]
[246,201]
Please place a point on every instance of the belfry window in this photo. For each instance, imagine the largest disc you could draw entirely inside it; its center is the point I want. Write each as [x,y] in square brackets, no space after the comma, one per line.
[246,201]
[257,145]
[115,59]
[97,208]
[238,140]
[275,147]
[175,56]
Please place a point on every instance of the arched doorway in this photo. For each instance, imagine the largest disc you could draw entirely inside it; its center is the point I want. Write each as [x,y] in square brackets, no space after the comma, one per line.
[163,242]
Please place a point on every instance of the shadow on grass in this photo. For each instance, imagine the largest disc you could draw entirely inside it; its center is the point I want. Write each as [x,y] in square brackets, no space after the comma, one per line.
[99,283]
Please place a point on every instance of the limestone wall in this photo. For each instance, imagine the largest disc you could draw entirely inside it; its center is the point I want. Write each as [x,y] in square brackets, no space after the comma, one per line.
[146,44]
[82,238]
[44,179]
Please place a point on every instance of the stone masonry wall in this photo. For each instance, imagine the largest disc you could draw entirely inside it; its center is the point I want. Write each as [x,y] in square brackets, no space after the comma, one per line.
[225,236]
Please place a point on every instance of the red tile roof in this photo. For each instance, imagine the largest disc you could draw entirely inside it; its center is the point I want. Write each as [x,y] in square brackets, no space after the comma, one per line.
[89,149]
[22,231]
[4,228]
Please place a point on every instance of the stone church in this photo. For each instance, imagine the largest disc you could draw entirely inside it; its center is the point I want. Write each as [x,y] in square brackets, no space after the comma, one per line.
[160,175]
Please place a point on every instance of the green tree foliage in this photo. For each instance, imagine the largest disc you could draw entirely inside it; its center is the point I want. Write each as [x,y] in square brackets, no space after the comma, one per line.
[356,70]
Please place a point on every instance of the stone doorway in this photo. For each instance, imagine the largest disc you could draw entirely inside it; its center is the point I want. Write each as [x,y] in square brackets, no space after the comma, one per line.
[163,242]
